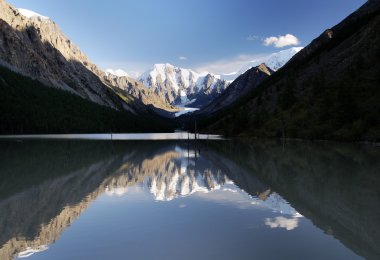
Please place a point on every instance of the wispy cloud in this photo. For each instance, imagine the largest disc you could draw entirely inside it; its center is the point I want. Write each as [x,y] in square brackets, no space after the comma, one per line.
[227,66]
[282,41]
[182,58]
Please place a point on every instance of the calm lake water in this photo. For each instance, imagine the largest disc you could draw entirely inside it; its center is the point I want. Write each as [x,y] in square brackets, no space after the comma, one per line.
[77,199]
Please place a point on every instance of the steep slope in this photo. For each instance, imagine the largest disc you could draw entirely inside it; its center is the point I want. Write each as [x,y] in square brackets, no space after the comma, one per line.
[237,89]
[180,86]
[29,107]
[33,45]
[329,90]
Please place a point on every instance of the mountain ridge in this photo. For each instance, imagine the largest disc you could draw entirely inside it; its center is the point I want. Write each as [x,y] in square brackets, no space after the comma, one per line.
[240,87]
[179,86]
[329,90]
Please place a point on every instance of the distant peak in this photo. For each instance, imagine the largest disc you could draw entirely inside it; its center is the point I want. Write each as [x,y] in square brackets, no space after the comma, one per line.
[163,65]
[118,72]
[30,14]
[297,49]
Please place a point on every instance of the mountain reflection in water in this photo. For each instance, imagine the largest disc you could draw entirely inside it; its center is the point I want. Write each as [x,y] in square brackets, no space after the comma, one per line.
[47,186]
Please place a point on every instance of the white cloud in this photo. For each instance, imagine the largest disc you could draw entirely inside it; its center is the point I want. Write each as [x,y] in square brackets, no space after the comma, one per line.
[282,222]
[227,66]
[282,41]
[182,58]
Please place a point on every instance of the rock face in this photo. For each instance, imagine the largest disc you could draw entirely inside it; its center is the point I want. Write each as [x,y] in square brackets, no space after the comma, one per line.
[238,89]
[180,86]
[329,90]
[137,90]
[34,45]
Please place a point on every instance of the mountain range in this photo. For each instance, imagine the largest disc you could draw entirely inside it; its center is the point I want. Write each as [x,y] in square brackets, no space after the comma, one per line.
[186,87]
[55,61]
[181,87]
[327,90]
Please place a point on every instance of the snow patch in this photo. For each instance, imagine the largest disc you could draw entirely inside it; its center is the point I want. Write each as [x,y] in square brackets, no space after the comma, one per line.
[118,73]
[30,14]
[181,81]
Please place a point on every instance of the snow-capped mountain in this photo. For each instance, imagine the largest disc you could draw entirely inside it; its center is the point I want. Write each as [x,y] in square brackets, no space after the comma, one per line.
[274,61]
[186,87]
[118,72]
[30,14]
[181,86]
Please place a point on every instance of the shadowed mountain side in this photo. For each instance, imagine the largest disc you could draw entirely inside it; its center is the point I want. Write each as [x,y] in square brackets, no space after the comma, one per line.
[44,62]
[242,86]
[24,52]
[329,90]
[334,185]
[33,107]
[38,48]
[29,107]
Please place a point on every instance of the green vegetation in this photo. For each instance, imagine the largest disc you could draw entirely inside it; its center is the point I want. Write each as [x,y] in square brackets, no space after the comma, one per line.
[29,107]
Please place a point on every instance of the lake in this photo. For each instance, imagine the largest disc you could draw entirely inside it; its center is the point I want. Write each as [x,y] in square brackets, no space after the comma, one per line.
[174,199]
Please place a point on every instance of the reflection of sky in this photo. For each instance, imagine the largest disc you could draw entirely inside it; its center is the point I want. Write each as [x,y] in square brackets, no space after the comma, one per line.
[178,204]
[226,223]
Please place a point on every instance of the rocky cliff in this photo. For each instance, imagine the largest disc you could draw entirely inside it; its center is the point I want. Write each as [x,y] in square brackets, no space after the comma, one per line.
[36,47]
[237,89]
[137,90]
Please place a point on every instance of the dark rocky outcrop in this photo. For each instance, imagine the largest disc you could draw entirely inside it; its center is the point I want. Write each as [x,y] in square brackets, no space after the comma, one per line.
[237,89]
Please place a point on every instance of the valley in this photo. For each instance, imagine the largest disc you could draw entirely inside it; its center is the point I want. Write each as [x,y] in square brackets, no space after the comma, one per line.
[286,94]
[200,129]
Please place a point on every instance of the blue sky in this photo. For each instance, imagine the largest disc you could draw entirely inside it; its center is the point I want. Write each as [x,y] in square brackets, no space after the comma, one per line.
[214,35]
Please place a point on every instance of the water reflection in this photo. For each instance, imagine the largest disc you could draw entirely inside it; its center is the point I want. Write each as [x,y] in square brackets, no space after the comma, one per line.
[46,186]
